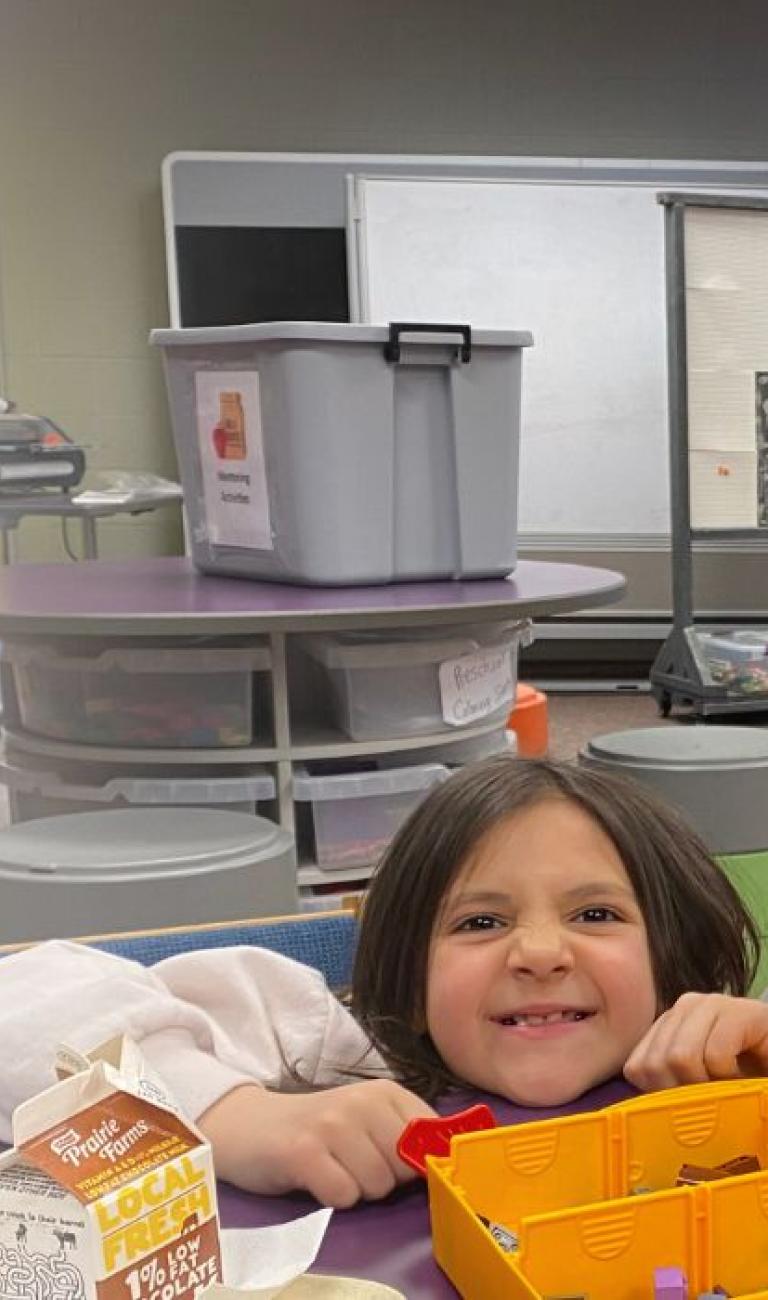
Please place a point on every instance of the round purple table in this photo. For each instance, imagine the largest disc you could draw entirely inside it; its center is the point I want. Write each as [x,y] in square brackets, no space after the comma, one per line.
[389,1241]
[168,596]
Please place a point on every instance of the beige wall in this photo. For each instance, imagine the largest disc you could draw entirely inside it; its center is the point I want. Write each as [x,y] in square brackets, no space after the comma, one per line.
[94,93]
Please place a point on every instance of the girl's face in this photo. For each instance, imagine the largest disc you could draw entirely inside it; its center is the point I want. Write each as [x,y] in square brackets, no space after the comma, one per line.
[539,981]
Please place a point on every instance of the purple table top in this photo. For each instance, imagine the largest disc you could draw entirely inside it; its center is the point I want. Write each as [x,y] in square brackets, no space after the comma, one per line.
[389,1241]
[160,596]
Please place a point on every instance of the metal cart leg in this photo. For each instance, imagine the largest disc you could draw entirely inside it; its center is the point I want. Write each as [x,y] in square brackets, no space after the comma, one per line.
[90,544]
[9,550]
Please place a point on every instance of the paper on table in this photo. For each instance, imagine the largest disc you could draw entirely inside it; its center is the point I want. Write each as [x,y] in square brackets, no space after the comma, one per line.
[119,486]
[266,1263]
[263,1261]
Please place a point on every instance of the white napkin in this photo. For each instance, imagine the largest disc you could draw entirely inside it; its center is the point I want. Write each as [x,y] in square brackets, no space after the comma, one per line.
[264,1261]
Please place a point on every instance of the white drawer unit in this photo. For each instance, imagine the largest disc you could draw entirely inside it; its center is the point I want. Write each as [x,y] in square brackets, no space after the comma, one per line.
[38,790]
[64,618]
[354,814]
[420,681]
[143,696]
[74,737]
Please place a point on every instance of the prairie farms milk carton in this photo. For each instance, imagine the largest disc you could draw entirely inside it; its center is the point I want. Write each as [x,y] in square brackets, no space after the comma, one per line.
[108,1194]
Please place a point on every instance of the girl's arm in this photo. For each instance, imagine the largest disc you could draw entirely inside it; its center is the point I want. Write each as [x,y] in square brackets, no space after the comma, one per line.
[205,1020]
[271,1018]
[220,1028]
[339,1144]
[67,993]
[702,1037]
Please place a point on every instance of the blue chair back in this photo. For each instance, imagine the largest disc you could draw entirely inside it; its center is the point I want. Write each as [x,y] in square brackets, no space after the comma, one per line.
[325,940]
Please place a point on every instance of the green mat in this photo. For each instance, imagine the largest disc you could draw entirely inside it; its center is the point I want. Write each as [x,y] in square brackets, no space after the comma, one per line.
[749,873]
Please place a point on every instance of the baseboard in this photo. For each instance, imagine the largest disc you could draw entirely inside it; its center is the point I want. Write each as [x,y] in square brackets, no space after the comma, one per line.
[589,685]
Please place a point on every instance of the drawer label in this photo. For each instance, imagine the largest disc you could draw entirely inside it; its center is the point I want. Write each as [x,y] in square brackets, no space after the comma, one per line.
[476,685]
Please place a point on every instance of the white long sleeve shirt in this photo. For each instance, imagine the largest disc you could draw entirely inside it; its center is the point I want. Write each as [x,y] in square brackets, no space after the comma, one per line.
[206,1021]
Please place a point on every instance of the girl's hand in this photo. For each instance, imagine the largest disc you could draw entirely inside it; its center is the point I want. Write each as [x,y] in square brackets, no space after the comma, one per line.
[702,1037]
[338,1144]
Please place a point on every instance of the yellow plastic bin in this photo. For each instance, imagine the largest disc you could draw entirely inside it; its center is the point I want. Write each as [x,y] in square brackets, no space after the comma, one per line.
[593,1203]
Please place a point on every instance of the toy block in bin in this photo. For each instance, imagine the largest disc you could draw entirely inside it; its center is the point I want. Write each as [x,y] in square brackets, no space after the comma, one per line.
[567,1189]
[529,722]
[670,1284]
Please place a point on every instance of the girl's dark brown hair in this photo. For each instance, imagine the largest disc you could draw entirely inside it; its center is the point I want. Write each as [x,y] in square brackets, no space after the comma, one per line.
[700,934]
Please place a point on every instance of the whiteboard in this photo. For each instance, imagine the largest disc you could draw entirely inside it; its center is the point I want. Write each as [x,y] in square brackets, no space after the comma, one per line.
[582,266]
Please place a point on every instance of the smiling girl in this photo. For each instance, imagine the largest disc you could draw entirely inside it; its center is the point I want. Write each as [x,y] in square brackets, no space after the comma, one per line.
[533,931]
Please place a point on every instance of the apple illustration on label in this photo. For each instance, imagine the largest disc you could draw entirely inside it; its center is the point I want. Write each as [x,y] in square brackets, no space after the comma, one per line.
[220,441]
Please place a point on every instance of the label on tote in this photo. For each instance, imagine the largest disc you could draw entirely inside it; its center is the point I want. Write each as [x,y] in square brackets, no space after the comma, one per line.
[232,458]
[476,685]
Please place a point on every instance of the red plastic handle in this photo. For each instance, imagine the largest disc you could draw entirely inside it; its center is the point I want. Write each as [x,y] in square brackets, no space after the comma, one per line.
[432,1137]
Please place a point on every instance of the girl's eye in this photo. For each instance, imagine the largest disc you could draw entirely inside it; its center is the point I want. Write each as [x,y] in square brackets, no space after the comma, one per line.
[595,915]
[481,922]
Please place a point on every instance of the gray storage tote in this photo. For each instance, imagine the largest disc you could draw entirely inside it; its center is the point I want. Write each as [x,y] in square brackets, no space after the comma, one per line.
[345,454]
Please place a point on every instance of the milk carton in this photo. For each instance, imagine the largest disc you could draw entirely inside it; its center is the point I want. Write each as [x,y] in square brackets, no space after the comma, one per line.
[108,1193]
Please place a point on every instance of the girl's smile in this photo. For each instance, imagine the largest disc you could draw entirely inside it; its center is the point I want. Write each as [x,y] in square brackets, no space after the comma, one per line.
[540,980]
[545,1020]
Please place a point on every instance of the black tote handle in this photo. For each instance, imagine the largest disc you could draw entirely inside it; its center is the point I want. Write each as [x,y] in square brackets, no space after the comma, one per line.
[396,328]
